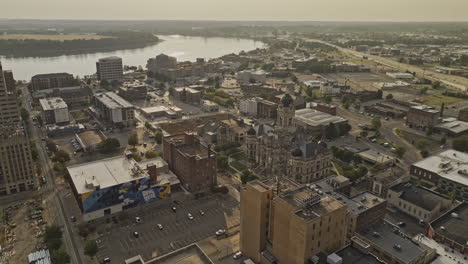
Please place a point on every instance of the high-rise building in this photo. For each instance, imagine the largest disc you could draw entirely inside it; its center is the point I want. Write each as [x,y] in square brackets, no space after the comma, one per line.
[286,222]
[16,166]
[110,69]
[289,226]
[9,112]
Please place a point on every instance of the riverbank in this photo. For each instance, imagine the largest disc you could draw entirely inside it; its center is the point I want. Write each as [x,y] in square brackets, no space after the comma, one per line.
[23,48]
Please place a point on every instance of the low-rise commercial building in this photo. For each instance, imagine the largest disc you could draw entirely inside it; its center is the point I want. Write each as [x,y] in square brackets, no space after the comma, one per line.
[110,69]
[315,121]
[400,75]
[133,91]
[74,96]
[209,106]
[422,116]
[192,162]
[248,106]
[390,245]
[448,170]
[187,95]
[161,111]
[114,108]
[52,80]
[451,229]
[54,111]
[109,186]
[247,76]
[418,202]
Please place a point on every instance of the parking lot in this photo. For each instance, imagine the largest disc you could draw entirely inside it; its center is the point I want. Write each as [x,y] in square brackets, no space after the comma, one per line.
[119,242]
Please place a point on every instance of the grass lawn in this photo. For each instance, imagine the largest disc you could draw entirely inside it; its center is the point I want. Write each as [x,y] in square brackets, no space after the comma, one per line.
[54,37]
[438,99]
[239,166]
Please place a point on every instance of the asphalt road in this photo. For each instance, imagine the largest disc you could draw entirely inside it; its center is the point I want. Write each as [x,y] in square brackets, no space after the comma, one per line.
[36,133]
[456,82]
[178,231]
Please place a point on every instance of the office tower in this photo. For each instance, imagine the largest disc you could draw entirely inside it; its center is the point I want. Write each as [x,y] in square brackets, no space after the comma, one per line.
[16,166]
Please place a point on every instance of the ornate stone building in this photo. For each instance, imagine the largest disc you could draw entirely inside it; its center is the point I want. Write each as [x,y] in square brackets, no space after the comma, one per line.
[285,153]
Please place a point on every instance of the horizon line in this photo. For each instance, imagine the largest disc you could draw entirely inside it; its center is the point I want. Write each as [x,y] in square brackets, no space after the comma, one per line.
[233,20]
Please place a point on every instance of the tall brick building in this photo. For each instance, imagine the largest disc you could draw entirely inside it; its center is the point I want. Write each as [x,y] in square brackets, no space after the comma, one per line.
[193,163]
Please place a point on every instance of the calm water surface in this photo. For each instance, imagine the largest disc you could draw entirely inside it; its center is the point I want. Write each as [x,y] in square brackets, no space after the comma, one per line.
[184,48]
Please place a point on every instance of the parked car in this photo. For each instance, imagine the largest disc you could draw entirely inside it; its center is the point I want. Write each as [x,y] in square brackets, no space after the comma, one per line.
[220,232]
[137,220]
[190,216]
[174,209]
[136,234]
[201,212]
[160,227]
[238,255]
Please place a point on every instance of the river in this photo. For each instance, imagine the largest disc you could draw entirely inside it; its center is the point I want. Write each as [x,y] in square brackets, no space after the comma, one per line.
[184,48]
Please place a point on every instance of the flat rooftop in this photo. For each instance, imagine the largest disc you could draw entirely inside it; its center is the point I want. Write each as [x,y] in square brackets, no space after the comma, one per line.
[450,164]
[155,109]
[316,118]
[454,227]
[187,89]
[426,108]
[191,254]
[52,75]
[375,156]
[356,204]
[112,101]
[105,173]
[52,103]
[419,196]
[309,203]
[390,239]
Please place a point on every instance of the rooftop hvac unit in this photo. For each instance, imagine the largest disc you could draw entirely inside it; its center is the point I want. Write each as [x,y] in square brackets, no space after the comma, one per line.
[397,247]
[334,259]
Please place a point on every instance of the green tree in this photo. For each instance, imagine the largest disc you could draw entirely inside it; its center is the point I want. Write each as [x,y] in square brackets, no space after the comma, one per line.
[158,137]
[91,248]
[148,125]
[460,143]
[327,99]
[34,153]
[108,145]
[389,96]
[222,162]
[421,144]
[247,176]
[330,131]
[453,195]
[435,85]
[24,114]
[400,151]
[61,156]
[376,123]
[151,154]
[51,146]
[133,139]
[60,256]
[53,237]
[104,83]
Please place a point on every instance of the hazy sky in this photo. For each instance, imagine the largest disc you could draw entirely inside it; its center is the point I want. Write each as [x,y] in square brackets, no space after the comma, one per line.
[313,10]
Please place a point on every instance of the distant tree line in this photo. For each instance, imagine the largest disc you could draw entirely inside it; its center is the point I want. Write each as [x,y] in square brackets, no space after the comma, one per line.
[117,40]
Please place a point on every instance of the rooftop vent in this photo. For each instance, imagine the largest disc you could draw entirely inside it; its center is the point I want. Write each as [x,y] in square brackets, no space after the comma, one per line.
[397,247]
[442,228]
[454,215]
[376,234]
